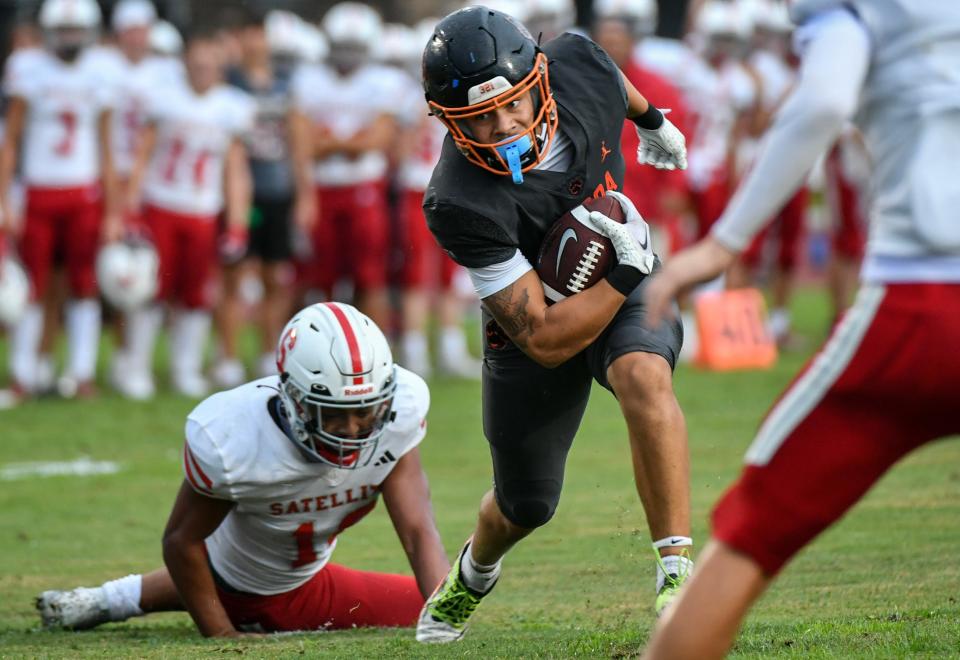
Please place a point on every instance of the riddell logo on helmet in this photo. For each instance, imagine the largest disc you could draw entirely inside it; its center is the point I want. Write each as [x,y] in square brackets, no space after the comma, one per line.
[357,391]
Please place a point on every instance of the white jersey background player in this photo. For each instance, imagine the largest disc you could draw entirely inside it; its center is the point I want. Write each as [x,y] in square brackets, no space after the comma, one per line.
[191,166]
[886,381]
[274,471]
[57,130]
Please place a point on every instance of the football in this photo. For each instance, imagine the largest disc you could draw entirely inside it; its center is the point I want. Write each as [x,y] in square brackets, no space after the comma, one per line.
[573,256]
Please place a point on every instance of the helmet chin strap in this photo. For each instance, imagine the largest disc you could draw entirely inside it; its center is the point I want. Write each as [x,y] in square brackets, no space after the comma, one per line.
[512,153]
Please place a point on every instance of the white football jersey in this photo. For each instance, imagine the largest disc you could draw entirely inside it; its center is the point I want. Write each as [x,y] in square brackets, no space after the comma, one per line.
[288,511]
[417,166]
[134,84]
[721,98]
[345,106]
[194,132]
[64,102]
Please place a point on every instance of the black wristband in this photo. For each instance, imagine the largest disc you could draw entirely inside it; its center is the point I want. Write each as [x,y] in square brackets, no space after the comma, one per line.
[651,120]
[624,278]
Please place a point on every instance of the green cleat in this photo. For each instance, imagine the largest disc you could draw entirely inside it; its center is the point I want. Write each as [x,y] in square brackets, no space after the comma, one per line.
[446,613]
[672,581]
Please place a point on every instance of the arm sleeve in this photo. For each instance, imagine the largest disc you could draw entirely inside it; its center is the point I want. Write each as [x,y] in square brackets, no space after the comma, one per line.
[203,464]
[470,239]
[487,280]
[412,406]
[832,74]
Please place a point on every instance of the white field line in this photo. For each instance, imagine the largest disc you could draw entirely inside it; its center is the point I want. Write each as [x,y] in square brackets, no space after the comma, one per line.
[82,467]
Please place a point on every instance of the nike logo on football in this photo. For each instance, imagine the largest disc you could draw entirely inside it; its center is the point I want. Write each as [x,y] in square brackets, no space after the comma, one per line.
[567,235]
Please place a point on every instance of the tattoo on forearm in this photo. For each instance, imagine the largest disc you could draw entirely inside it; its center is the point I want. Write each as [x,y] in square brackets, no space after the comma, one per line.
[512,314]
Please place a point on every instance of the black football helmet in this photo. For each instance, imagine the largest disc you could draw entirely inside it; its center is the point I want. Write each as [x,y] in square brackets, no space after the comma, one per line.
[478,60]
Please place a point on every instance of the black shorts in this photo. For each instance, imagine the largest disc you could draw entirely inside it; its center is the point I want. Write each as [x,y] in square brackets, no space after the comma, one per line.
[270,230]
[531,413]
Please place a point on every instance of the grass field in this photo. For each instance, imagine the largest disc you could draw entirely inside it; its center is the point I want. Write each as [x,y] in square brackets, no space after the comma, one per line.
[885,583]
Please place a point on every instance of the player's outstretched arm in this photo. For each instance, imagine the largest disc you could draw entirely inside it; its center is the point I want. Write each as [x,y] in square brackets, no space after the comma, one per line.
[9,150]
[552,335]
[193,519]
[407,496]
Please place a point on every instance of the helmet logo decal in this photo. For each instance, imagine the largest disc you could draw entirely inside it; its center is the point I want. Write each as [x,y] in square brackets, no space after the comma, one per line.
[487,90]
[287,342]
[352,345]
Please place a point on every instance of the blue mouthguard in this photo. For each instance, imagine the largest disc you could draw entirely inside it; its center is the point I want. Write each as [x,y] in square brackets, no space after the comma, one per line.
[512,153]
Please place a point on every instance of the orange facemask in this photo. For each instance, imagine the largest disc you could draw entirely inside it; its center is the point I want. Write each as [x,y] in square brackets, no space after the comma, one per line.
[518,153]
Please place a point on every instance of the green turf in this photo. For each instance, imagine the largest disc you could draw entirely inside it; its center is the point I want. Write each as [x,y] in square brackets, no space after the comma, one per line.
[882,584]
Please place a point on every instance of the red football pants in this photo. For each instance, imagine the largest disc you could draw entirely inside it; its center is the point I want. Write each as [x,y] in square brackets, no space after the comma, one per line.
[424,263]
[187,247]
[884,384]
[351,236]
[708,204]
[335,598]
[62,225]
[789,229]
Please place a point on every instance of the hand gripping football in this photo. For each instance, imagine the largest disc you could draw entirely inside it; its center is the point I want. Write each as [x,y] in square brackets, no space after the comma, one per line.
[573,255]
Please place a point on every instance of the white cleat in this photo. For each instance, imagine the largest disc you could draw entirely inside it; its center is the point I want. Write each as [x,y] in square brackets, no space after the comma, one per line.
[465,367]
[137,386]
[78,609]
[228,374]
[194,386]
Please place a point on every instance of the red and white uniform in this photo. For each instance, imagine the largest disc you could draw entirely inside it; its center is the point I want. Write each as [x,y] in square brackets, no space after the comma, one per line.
[270,555]
[846,176]
[424,263]
[60,162]
[885,383]
[184,184]
[722,95]
[352,231]
[776,77]
[133,83]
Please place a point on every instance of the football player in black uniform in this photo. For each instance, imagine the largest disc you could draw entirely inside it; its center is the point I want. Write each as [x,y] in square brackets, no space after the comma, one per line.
[532,133]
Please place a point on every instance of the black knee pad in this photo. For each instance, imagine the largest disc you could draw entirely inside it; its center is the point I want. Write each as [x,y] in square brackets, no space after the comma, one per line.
[533,507]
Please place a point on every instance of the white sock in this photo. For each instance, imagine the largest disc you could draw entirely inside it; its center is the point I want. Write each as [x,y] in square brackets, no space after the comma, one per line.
[83,338]
[416,355]
[24,346]
[674,565]
[478,577]
[453,345]
[140,336]
[779,322]
[188,340]
[123,597]
[46,372]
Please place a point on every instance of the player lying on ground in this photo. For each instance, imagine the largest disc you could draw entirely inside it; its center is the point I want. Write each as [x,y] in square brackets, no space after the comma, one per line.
[275,470]
[886,381]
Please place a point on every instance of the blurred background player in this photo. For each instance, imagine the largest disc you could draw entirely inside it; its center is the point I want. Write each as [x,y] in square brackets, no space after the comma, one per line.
[352,115]
[58,130]
[192,166]
[770,60]
[660,195]
[427,277]
[274,472]
[279,151]
[135,74]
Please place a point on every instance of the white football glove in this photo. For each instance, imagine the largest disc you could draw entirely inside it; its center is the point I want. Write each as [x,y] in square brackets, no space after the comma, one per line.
[631,241]
[664,148]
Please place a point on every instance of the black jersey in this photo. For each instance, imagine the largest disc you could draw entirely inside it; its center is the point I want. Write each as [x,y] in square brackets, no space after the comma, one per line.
[481,218]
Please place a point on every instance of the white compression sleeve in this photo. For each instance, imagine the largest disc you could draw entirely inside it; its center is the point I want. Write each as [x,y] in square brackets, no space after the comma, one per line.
[834,68]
